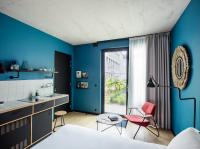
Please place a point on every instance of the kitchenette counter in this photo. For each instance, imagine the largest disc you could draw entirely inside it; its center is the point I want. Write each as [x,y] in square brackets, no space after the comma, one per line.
[13,105]
[18,104]
[29,120]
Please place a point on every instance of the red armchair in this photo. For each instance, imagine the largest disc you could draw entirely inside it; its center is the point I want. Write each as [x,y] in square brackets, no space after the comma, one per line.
[146,114]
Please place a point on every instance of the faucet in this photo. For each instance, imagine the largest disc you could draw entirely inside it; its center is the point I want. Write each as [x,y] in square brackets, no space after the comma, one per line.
[47,85]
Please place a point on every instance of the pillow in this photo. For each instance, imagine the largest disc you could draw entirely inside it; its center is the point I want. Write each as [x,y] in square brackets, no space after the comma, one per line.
[187,139]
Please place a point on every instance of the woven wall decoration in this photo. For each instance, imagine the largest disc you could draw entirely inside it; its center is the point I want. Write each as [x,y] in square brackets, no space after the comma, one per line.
[180,67]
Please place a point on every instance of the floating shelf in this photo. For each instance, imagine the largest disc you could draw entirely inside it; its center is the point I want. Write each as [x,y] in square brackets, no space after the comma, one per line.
[30,71]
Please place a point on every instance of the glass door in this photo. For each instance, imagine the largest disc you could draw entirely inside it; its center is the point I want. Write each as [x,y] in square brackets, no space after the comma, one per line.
[115,80]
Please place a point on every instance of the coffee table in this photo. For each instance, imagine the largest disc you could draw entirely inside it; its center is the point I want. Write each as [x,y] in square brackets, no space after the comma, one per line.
[104,119]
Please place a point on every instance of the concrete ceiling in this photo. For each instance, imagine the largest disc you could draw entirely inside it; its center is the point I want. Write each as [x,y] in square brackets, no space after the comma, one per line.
[88,21]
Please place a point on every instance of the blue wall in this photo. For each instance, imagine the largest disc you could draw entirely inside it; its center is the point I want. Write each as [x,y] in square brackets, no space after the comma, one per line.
[88,58]
[187,33]
[20,42]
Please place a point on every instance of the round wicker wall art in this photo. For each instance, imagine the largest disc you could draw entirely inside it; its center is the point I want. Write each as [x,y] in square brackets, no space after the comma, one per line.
[180,67]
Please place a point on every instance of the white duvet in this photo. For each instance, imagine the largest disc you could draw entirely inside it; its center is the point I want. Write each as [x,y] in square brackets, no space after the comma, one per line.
[76,137]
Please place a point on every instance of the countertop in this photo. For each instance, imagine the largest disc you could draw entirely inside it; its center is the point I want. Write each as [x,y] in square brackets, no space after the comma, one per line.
[17,104]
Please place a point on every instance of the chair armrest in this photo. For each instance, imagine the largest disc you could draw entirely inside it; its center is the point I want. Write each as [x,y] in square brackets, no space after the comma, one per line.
[147,116]
[133,108]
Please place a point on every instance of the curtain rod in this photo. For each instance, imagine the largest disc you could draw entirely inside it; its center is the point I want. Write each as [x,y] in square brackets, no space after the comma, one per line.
[149,35]
[131,37]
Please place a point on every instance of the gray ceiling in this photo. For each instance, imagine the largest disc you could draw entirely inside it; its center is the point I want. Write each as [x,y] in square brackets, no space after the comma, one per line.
[88,21]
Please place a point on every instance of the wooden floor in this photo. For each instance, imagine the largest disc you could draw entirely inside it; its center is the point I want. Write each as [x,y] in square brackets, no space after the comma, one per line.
[89,121]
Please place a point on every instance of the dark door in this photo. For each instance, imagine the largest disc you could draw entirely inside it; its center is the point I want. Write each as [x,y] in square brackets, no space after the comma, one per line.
[62,79]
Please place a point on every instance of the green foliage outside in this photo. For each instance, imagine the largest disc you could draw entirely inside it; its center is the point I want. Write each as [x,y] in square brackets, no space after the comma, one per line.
[115,91]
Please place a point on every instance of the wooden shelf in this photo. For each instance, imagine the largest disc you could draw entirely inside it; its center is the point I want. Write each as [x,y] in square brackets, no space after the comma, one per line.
[39,71]
[30,71]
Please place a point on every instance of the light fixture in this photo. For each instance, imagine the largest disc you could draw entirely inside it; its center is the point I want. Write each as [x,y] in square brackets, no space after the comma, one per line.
[152,83]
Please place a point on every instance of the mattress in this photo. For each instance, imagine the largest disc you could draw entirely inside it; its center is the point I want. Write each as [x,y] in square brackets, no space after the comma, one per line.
[76,137]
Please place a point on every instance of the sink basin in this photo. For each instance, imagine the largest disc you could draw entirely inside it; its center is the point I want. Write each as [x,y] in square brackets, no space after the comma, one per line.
[40,98]
[52,95]
[31,100]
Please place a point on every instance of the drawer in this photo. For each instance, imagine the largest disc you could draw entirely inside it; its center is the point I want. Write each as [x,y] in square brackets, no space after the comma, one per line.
[43,106]
[62,100]
[16,114]
[42,124]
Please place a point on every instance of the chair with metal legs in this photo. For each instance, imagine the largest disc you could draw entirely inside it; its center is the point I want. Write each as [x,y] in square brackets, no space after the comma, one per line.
[60,114]
[143,118]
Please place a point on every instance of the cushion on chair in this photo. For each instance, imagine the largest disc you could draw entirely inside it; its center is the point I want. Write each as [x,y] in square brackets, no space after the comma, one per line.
[187,139]
[149,108]
[136,119]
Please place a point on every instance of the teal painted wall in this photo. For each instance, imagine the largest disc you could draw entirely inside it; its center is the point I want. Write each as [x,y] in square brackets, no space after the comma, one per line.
[88,58]
[187,33]
[20,42]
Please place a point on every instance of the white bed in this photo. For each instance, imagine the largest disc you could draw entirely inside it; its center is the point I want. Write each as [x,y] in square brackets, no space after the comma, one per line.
[76,137]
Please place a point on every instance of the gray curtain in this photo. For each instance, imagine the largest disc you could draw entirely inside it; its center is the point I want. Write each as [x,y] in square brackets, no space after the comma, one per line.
[158,67]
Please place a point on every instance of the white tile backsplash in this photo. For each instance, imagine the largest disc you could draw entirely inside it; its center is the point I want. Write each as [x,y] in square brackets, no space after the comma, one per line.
[20,89]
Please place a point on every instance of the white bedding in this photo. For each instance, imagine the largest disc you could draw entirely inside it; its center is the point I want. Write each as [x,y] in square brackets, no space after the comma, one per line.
[76,137]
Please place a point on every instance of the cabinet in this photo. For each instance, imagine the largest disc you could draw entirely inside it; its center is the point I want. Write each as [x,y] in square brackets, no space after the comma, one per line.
[41,124]
[16,114]
[60,101]
[24,125]
[43,106]
[16,134]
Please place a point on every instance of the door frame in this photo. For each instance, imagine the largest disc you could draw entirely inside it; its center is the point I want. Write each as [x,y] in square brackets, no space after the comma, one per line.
[70,93]
[103,74]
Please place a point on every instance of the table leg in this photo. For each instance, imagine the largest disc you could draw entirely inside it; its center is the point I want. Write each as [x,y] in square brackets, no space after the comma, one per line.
[107,128]
[117,129]
[121,127]
[120,131]
[97,125]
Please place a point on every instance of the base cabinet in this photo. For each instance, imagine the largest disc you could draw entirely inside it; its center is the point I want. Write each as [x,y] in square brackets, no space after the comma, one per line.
[24,127]
[16,135]
[41,124]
